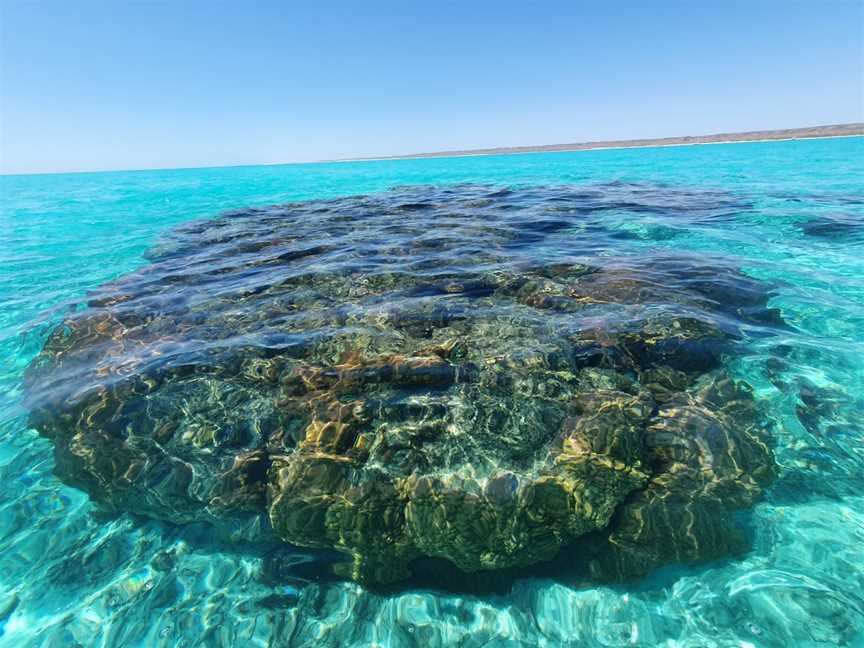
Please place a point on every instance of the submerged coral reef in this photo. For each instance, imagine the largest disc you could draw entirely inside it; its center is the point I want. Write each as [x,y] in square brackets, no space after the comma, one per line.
[467,373]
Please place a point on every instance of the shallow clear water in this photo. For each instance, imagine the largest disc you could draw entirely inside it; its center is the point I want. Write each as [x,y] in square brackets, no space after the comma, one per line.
[789,213]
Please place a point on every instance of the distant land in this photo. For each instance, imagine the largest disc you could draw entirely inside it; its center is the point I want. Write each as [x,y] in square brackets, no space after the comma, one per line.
[836,130]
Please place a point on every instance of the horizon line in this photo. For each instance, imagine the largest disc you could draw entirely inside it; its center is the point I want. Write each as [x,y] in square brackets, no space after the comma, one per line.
[828,131]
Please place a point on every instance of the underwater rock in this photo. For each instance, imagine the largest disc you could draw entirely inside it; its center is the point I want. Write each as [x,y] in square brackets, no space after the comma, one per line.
[839,227]
[709,458]
[423,375]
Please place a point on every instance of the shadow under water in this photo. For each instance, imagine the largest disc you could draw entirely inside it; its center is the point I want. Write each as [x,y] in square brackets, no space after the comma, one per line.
[449,384]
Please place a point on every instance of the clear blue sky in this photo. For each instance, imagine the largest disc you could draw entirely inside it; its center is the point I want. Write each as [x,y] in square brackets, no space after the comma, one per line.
[121,84]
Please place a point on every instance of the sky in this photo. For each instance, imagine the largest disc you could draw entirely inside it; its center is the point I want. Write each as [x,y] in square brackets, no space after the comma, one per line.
[121,84]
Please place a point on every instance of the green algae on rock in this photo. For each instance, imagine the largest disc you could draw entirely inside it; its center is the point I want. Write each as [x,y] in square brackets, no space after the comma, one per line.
[424,373]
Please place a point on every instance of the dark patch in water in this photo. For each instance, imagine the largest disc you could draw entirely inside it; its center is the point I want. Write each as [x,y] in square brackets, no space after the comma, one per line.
[467,374]
[840,227]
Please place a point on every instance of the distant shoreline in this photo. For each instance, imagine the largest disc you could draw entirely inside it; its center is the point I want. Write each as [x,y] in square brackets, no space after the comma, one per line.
[814,132]
[836,131]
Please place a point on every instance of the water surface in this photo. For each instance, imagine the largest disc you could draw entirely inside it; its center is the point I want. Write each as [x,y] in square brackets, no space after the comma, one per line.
[789,214]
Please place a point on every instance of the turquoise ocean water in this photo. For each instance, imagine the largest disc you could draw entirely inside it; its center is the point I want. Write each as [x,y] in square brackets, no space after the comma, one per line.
[73,576]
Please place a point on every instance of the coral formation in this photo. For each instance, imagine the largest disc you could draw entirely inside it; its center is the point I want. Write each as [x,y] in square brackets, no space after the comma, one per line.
[463,373]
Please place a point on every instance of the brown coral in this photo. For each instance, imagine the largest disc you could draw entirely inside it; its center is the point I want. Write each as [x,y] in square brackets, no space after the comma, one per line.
[393,393]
